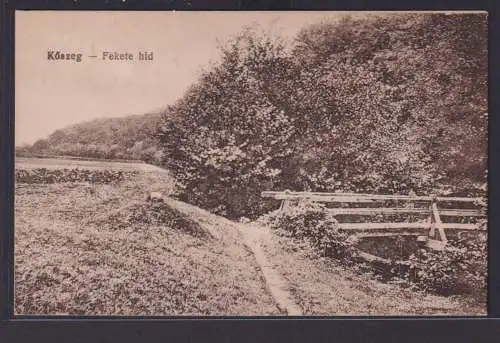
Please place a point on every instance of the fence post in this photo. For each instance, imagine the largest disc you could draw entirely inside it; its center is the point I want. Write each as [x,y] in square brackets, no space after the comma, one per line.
[437,219]
[432,232]
[285,205]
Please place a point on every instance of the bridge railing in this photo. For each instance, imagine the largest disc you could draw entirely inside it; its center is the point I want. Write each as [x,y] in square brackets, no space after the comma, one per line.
[400,204]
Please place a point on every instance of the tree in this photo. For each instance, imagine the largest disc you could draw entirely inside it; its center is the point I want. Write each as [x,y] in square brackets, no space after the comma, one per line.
[385,104]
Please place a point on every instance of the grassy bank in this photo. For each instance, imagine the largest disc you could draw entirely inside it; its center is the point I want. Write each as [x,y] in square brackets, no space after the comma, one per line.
[84,253]
[321,286]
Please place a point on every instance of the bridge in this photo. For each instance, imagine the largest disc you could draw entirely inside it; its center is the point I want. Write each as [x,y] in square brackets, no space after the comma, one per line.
[456,210]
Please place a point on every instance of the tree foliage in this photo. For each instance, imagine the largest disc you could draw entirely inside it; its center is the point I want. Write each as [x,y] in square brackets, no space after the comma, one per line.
[385,104]
[130,138]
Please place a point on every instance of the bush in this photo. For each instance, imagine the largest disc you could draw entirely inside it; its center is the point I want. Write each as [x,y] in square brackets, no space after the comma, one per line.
[459,269]
[311,222]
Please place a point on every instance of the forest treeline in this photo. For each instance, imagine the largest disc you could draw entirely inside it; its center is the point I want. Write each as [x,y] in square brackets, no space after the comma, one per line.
[129,138]
[382,104]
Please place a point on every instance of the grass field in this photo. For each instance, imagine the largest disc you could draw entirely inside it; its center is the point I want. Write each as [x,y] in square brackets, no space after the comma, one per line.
[84,254]
[105,250]
[56,163]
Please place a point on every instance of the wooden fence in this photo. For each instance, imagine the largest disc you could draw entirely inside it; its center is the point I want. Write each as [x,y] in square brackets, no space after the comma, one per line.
[348,204]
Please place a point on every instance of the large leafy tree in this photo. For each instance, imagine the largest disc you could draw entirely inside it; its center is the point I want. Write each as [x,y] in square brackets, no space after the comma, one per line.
[385,104]
[227,137]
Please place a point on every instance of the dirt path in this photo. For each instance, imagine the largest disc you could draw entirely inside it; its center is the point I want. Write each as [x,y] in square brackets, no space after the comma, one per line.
[252,236]
[276,283]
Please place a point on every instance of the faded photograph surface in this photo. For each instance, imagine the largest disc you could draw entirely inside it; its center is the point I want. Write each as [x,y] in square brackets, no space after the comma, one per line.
[251,163]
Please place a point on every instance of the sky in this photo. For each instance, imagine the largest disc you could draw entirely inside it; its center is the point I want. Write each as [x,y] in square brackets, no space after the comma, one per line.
[52,94]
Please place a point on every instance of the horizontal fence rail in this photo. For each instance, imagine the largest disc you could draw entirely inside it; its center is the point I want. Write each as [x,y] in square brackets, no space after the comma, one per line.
[384,210]
[382,226]
[358,197]
[401,205]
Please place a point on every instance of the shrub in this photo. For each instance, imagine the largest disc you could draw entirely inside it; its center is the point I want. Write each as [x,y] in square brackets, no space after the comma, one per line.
[311,222]
[460,268]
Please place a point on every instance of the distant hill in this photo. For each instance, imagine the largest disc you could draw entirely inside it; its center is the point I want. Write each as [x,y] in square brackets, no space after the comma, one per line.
[131,138]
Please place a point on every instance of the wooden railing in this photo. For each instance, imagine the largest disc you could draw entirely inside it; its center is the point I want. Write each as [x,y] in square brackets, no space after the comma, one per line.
[400,204]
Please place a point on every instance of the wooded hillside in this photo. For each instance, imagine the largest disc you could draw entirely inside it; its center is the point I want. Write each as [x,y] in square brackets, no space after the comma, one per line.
[131,138]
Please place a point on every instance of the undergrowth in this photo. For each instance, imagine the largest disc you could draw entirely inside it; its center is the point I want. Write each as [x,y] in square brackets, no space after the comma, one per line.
[310,222]
[461,268]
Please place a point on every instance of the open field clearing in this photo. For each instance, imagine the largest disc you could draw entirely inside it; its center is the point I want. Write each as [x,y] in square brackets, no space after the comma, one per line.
[56,163]
[109,252]
[101,248]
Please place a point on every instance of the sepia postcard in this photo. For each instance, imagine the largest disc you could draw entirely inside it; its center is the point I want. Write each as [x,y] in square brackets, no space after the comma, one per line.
[251,163]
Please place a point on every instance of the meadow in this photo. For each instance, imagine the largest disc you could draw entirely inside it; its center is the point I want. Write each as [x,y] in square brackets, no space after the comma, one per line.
[100,248]
[107,251]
